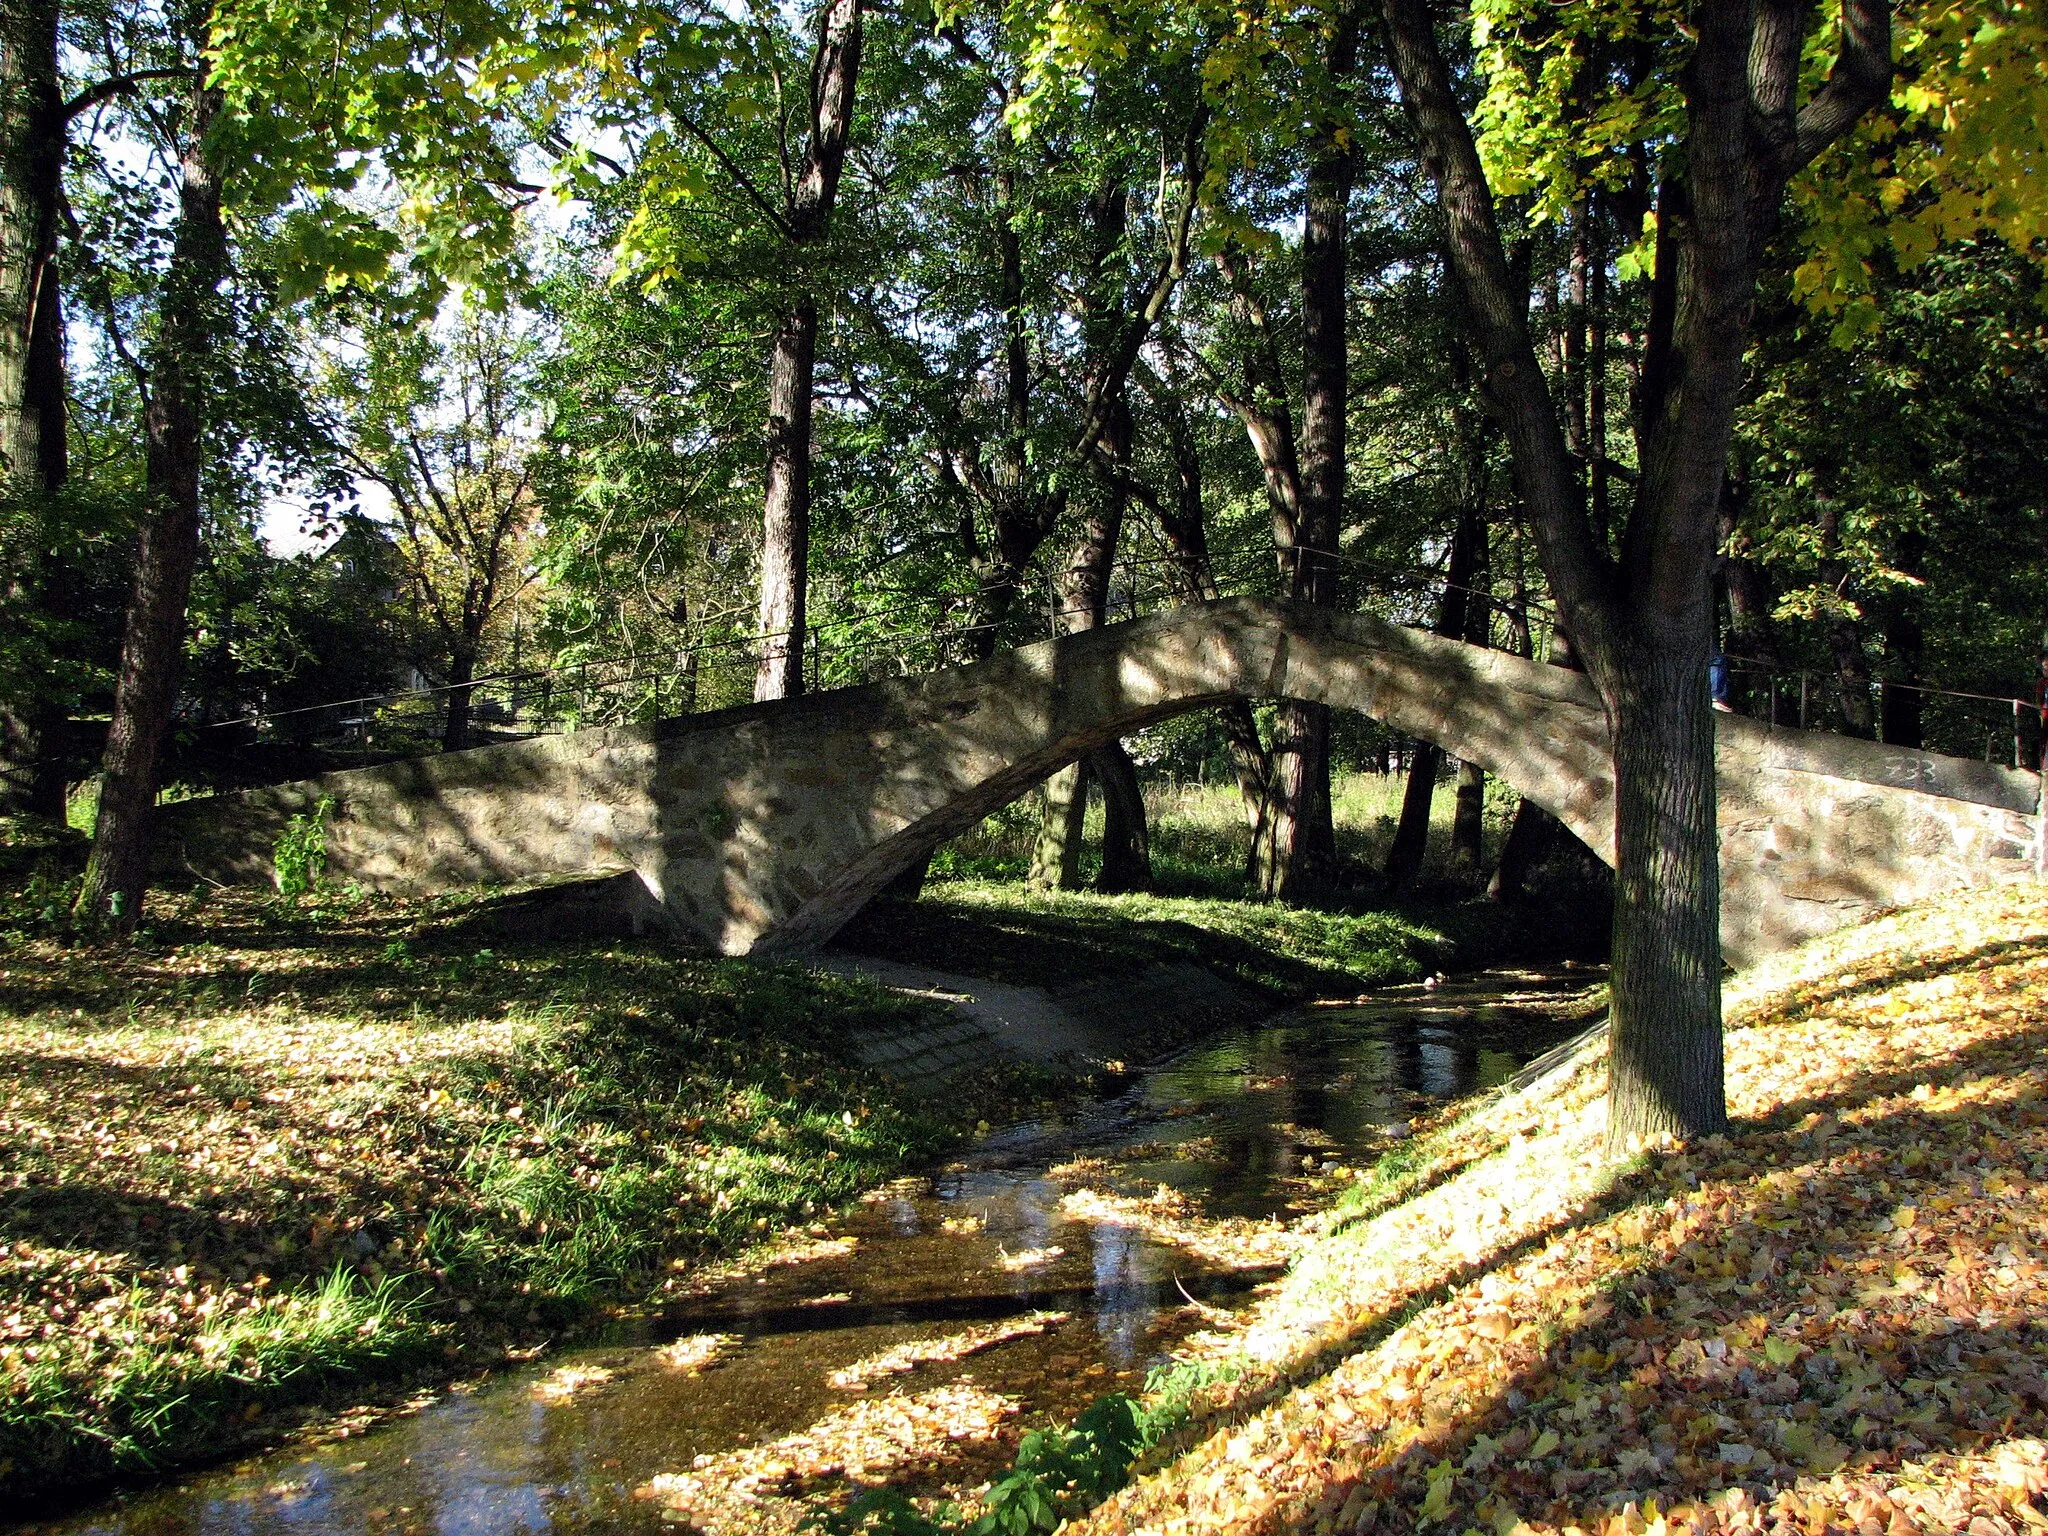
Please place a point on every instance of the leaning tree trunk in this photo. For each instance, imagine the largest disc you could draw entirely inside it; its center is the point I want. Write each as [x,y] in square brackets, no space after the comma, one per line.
[1411,832]
[1664,1065]
[146,686]
[786,518]
[1529,840]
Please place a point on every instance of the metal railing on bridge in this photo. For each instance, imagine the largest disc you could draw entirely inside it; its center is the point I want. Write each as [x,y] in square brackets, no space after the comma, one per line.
[717,672]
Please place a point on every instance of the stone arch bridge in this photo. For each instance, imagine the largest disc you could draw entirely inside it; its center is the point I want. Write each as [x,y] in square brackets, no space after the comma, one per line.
[762,829]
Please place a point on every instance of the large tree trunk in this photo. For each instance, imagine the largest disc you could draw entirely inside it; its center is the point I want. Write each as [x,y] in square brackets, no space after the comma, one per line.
[1644,616]
[786,506]
[32,448]
[461,673]
[1126,842]
[1411,832]
[146,687]
[1468,821]
[31,316]
[786,522]
[1664,1070]
[1056,857]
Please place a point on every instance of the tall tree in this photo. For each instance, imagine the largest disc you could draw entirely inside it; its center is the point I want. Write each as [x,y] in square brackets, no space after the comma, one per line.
[1642,618]
[440,419]
[31,333]
[804,220]
[1300,863]
[174,422]
[32,138]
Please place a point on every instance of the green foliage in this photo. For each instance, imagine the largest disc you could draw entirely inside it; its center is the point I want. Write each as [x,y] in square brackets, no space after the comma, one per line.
[148,1409]
[1060,1472]
[1957,155]
[299,857]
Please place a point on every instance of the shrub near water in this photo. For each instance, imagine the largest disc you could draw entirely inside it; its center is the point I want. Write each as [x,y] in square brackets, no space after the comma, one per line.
[254,1160]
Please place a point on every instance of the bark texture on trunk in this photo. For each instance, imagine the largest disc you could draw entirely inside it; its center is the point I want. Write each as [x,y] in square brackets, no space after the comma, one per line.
[792,360]
[1643,616]
[1126,843]
[1664,1067]
[174,419]
[786,520]
[1468,822]
[32,447]
[1056,857]
[32,138]
[455,726]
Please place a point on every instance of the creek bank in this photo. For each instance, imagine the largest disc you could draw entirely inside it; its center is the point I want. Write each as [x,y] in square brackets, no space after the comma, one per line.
[914,1337]
[273,1158]
[1829,1321]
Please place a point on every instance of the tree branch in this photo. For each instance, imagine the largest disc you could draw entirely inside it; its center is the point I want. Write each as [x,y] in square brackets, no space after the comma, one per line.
[732,168]
[122,85]
[1497,316]
[1860,80]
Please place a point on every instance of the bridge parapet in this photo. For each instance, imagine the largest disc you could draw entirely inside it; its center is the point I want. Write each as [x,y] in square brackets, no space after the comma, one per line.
[762,829]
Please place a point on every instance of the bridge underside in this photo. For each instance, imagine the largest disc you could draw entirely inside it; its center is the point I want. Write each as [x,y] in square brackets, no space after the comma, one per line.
[764,829]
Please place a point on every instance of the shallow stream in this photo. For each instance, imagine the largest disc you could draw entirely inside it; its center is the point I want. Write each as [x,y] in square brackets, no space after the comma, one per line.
[1050,1263]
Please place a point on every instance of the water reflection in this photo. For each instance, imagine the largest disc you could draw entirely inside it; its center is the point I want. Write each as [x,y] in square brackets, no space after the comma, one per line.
[1227,1124]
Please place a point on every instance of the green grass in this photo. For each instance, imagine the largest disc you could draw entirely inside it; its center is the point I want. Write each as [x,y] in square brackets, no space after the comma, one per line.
[1200,839]
[1005,932]
[273,1154]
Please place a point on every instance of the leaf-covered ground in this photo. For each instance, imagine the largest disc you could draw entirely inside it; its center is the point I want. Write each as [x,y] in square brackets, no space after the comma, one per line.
[267,1154]
[1833,1320]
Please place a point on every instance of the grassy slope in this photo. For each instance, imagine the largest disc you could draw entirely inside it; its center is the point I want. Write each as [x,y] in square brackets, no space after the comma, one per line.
[269,1154]
[1005,932]
[1829,1321]
[258,1158]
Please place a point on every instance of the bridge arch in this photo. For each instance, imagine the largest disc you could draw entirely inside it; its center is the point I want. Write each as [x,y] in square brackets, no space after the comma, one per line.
[763,829]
